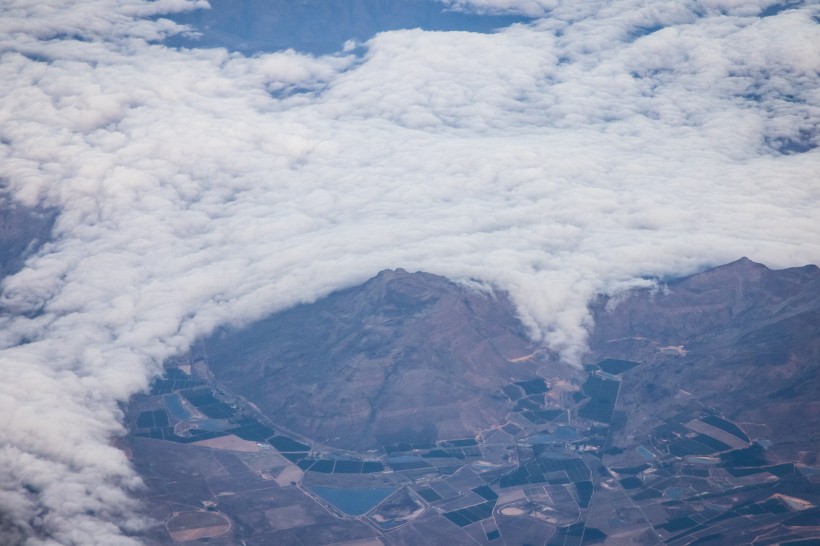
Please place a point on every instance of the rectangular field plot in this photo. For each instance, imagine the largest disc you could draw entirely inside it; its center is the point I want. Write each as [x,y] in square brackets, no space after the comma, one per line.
[323,466]
[403,447]
[158,433]
[519,476]
[167,433]
[166,386]
[529,404]
[471,514]
[368,467]
[547,470]
[327,466]
[603,394]
[678,524]
[576,469]
[252,430]
[576,535]
[533,386]
[205,402]
[584,490]
[486,492]
[779,470]
[632,470]
[699,445]
[511,428]
[463,442]
[407,463]
[726,426]
[348,467]
[152,419]
[284,443]
[295,457]
[716,433]
[615,366]
[428,494]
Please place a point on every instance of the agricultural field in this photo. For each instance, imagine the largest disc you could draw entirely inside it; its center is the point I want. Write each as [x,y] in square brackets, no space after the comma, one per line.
[411,410]
[549,475]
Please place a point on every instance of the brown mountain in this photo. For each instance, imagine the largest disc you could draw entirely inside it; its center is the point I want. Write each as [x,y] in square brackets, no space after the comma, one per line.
[403,357]
[415,357]
[751,338]
[695,420]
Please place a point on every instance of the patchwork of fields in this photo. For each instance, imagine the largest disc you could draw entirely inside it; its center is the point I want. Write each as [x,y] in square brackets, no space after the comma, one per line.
[551,474]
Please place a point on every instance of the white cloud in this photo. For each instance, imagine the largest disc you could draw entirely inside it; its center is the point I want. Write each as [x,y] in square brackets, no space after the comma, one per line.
[553,160]
[531,8]
[98,19]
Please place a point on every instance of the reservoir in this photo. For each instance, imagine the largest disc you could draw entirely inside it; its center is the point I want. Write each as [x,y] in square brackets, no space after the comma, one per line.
[353,501]
[175,407]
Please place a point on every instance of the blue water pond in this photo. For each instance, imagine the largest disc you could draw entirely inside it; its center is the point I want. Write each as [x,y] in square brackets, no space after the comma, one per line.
[353,501]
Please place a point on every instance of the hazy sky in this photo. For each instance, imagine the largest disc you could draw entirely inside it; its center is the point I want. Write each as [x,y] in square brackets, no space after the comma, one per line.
[602,142]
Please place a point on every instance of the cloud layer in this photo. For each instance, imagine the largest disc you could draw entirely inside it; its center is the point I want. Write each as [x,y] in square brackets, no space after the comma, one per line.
[576,154]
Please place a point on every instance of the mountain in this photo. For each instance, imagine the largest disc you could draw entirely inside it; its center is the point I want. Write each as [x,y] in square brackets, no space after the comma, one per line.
[750,346]
[404,357]
[414,410]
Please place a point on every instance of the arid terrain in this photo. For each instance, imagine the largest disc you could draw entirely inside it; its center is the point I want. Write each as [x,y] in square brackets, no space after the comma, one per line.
[415,410]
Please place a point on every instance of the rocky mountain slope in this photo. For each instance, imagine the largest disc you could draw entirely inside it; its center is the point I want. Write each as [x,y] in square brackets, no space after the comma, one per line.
[404,357]
[741,338]
[416,357]
[412,409]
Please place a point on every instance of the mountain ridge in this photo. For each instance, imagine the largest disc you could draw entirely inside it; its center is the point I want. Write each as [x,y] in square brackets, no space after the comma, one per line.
[404,356]
[412,407]
[421,351]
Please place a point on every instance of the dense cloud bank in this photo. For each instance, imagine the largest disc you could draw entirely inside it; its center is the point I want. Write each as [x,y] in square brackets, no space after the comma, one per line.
[601,143]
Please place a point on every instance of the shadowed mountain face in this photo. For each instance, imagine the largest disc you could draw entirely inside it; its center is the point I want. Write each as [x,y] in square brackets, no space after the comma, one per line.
[404,357]
[751,338]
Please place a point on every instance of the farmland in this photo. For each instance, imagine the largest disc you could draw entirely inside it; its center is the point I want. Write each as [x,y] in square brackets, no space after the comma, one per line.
[558,478]
[412,410]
